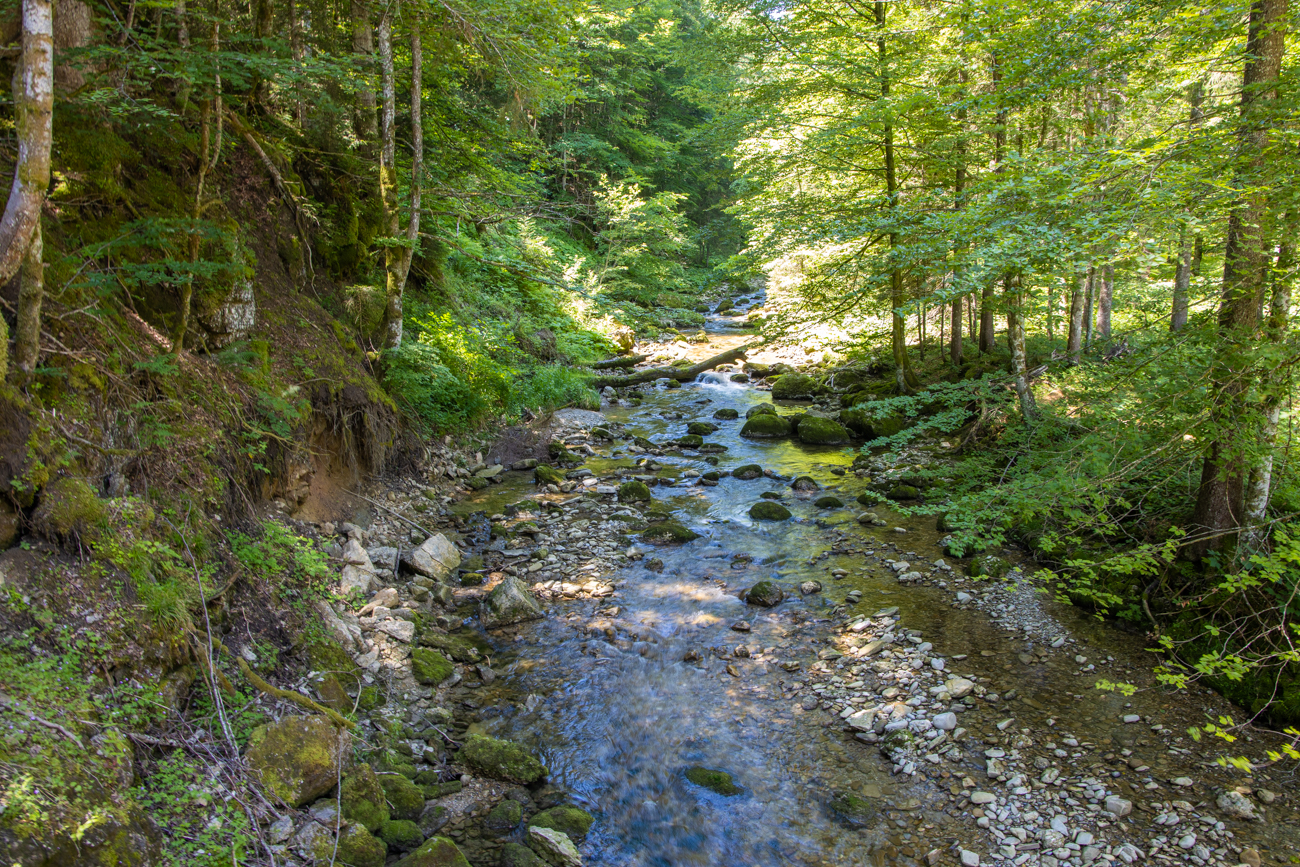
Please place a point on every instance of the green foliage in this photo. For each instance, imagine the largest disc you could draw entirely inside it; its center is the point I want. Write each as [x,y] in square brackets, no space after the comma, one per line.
[284,560]
[202,826]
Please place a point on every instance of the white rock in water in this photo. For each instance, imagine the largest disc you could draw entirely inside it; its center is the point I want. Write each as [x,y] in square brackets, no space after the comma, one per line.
[1236,805]
[435,558]
[969,858]
[945,721]
[554,847]
[959,687]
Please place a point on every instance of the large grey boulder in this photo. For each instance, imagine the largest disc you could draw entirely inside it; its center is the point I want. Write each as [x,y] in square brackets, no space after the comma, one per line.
[358,572]
[436,557]
[510,602]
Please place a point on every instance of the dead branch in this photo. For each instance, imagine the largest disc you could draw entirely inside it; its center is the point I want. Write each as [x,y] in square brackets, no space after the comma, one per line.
[681,374]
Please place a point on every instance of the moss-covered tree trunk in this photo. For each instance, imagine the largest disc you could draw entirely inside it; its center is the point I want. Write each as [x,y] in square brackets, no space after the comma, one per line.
[31,294]
[1237,427]
[34,110]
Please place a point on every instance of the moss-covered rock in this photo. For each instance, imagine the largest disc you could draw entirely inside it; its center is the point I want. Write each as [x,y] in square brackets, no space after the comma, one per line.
[768,511]
[357,847]
[857,423]
[500,760]
[69,508]
[503,818]
[669,531]
[560,454]
[766,426]
[690,441]
[405,798]
[903,492]
[868,498]
[363,798]
[574,821]
[516,855]
[816,431]
[701,428]
[547,475]
[634,492]
[718,782]
[726,414]
[890,425]
[463,646]
[747,472]
[794,386]
[400,835]
[829,502]
[851,808]
[760,409]
[436,852]
[298,758]
[805,484]
[989,566]
[765,594]
[430,667]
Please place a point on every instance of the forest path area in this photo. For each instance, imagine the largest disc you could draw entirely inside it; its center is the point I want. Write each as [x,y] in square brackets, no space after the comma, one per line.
[886,709]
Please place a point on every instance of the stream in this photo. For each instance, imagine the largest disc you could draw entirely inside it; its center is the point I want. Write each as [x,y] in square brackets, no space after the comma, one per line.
[621,695]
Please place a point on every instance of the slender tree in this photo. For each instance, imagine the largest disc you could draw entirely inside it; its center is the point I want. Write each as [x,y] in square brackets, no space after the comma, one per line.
[34,109]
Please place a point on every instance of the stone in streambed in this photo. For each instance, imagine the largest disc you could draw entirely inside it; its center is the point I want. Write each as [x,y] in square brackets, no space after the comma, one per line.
[903,492]
[298,757]
[718,782]
[829,502]
[429,666]
[436,852]
[851,808]
[701,428]
[747,472]
[516,855]
[689,441]
[765,594]
[574,821]
[503,818]
[546,475]
[401,835]
[989,566]
[669,531]
[855,420]
[766,426]
[554,847]
[634,492]
[500,760]
[794,386]
[726,414]
[817,431]
[768,511]
[760,409]
[436,557]
[805,483]
[510,602]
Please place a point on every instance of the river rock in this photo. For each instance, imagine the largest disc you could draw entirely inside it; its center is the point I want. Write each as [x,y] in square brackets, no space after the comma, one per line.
[554,847]
[571,820]
[436,852]
[747,472]
[500,760]
[298,758]
[766,426]
[765,593]
[794,386]
[634,492]
[436,557]
[1236,806]
[945,721]
[429,666]
[718,782]
[959,687]
[510,602]
[821,431]
[726,414]
[768,511]
[669,531]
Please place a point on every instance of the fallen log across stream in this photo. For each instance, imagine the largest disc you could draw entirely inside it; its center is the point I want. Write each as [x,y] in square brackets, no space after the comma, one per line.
[681,374]
[625,361]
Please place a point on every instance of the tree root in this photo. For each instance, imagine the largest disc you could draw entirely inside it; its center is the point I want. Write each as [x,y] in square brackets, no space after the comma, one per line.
[287,694]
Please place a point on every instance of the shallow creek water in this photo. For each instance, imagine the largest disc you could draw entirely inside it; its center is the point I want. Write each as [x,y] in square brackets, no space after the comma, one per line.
[618,716]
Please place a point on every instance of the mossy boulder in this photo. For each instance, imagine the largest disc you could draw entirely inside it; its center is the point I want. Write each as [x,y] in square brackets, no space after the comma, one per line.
[766,426]
[503,818]
[852,809]
[363,798]
[560,454]
[400,835]
[634,492]
[868,498]
[436,852]
[726,414]
[69,508]
[517,855]
[430,667]
[794,386]
[760,409]
[816,431]
[805,484]
[747,472]
[701,428]
[768,511]
[500,760]
[829,502]
[547,475]
[890,425]
[464,646]
[690,441]
[988,566]
[510,602]
[405,798]
[669,531]
[718,782]
[357,847]
[765,594]
[298,758]
[857,423]
[574,821]
[903,492]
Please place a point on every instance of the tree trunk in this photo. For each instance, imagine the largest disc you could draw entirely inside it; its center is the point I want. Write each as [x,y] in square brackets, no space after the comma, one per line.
[363,46]
[988,325]
[1104,295]
[299,53]
[681,374]
[1074,343]
[904,375]
[1182,282]
[1089,299]
[31,291]
[34,110]
[954,338]
[958,195]
[263,27]
[1013,291]
[397,261]
[1220,509]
